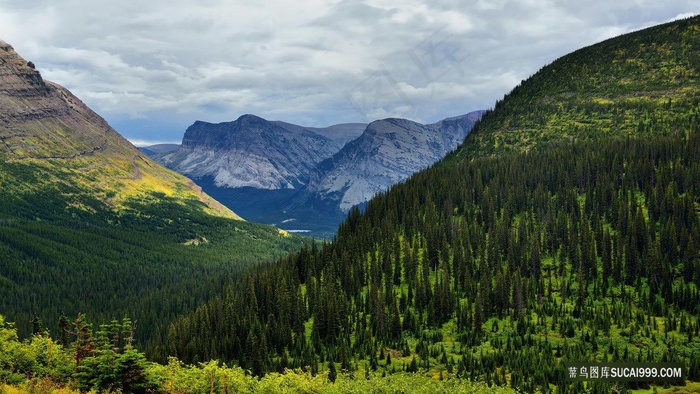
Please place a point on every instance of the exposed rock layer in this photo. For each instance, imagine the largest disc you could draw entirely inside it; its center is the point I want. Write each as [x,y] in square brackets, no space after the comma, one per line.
[250,152]
[388,152]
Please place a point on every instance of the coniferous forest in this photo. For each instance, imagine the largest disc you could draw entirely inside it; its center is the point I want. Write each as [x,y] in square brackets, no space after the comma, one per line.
[512,255]
[505,268]
[152,261]
[565,229]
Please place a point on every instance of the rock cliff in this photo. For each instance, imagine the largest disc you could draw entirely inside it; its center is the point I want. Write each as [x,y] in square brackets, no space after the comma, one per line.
[250,152]
[388,152]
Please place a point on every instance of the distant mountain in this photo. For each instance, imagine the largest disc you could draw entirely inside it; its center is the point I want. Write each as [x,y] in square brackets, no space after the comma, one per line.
[250,152]
[90,224]
[341,133]
[303,178]
[388,152]
[152,150]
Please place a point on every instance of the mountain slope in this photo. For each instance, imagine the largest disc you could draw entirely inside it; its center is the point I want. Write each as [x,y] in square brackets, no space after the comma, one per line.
[629,85]
[90,224]
[388,152]
[249,152]
[41,123]
[541,241]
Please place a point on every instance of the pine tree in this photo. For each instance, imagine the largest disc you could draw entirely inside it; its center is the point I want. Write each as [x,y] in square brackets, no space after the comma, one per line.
[332,373]
[63,331]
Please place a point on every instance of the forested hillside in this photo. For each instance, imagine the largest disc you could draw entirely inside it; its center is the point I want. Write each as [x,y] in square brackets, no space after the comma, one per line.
[566,228]
[152,260]
[102,359]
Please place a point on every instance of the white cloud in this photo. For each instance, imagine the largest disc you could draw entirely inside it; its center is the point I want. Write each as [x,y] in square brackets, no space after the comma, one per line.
[145,143]
[315,62]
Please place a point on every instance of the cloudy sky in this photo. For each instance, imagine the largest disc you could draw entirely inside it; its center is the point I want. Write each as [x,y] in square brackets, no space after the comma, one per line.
[153,67]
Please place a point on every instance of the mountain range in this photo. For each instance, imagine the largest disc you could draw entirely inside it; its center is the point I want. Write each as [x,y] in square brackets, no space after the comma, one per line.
[387,152]
[308,178]
[249,152]
[565,229]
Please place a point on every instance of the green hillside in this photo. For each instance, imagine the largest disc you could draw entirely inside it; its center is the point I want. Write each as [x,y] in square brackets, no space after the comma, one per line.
[566,228]
[643,83]
[152,260]
[41,365]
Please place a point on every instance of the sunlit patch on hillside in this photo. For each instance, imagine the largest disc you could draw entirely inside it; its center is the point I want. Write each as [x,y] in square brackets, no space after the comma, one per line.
[196,241]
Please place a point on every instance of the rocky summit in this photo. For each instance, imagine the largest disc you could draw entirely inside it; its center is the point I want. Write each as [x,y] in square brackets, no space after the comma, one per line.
[30,107]
[388,152]
[250,152]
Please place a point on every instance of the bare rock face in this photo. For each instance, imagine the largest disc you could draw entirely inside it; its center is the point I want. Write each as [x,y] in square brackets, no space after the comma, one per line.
[18,77]
[327,170]
[388,152]
[250,152]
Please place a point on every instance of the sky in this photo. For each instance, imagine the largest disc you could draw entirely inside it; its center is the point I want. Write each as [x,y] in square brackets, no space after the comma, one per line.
[151,68]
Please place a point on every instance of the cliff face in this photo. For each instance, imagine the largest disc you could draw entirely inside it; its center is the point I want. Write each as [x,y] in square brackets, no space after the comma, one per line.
[250,152]
[388,152]
[18,77]
[308,178]
[45,125]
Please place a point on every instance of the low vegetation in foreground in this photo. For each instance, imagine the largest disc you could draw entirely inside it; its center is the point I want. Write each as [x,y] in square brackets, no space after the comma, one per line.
[102,359]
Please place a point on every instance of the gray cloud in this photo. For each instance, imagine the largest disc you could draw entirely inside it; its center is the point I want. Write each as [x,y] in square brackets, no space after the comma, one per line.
[152,68]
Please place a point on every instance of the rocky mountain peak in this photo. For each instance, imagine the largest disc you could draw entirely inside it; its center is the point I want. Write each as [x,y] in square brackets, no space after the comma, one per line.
[249,152]
[246,130]
[378,124]
[251,120]
[390,127]
[388,152]
[29,105]
[18,77]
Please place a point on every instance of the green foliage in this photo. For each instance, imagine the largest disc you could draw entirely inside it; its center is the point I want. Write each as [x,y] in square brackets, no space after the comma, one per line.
[113,365]
[35,357]
[212,377]
[110,362]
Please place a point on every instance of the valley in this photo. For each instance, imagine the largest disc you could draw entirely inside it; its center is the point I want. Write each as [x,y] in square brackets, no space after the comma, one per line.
[560,226]
[265,171]
[539,241]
